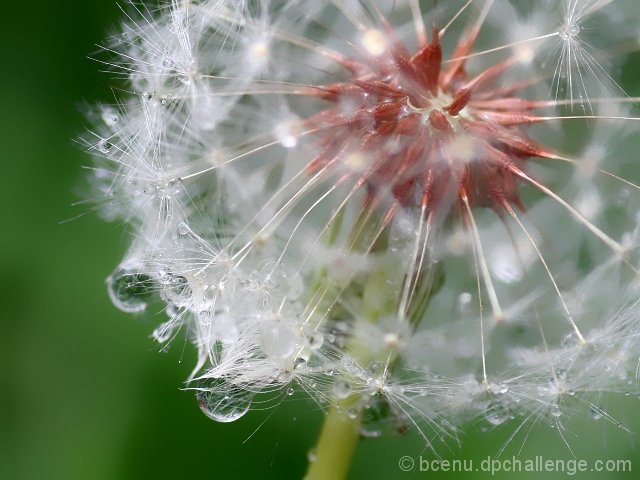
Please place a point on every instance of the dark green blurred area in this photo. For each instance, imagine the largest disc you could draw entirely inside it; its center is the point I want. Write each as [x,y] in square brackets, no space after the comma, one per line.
[84,392]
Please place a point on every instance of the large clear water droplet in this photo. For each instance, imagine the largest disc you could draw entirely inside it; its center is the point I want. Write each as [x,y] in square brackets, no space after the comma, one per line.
[341,389]
[129,290]
[177,290]
[222,401]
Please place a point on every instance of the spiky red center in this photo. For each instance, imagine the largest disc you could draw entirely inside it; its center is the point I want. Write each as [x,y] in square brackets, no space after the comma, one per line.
[425,133]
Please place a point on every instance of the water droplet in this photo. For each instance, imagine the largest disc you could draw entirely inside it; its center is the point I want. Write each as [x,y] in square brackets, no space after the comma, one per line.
[290,391]
[556,411]
[569,31]
[129,289]
[596,413]
[164,276]
[315,340]
[147,96]
[464,301]
[183,229]
[299,363]
[186,77]
[223,401]
[205,317]
[209,292]
[179,283]
[312,455]
[177,290]
[569,340]
[167,190]
[497,413]
[376,368]
[162,333]
[122,38]
[105,146]
[352,413]
[285,376]
[172,310]
[110,118]
[168,63]
[341,389]
[498,388]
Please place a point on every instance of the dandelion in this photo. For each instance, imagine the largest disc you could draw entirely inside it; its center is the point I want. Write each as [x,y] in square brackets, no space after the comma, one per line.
[377,203]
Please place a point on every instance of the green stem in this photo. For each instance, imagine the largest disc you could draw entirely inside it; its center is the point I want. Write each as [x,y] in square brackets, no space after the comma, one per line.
[340,433]
[339,437]
[331,458]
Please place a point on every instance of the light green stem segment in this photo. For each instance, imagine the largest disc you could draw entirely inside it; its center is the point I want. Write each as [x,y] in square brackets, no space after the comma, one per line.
[340,433]
[332,456]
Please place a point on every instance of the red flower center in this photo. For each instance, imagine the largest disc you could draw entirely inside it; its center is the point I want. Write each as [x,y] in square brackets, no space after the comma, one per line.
[420,132]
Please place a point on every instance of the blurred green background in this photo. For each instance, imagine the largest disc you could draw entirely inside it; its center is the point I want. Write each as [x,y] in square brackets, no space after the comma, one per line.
[84,392]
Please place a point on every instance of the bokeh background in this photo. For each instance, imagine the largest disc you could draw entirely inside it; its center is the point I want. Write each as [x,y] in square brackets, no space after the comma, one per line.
[84,392]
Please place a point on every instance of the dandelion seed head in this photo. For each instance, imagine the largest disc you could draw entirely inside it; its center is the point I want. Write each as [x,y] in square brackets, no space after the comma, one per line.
[339,199]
